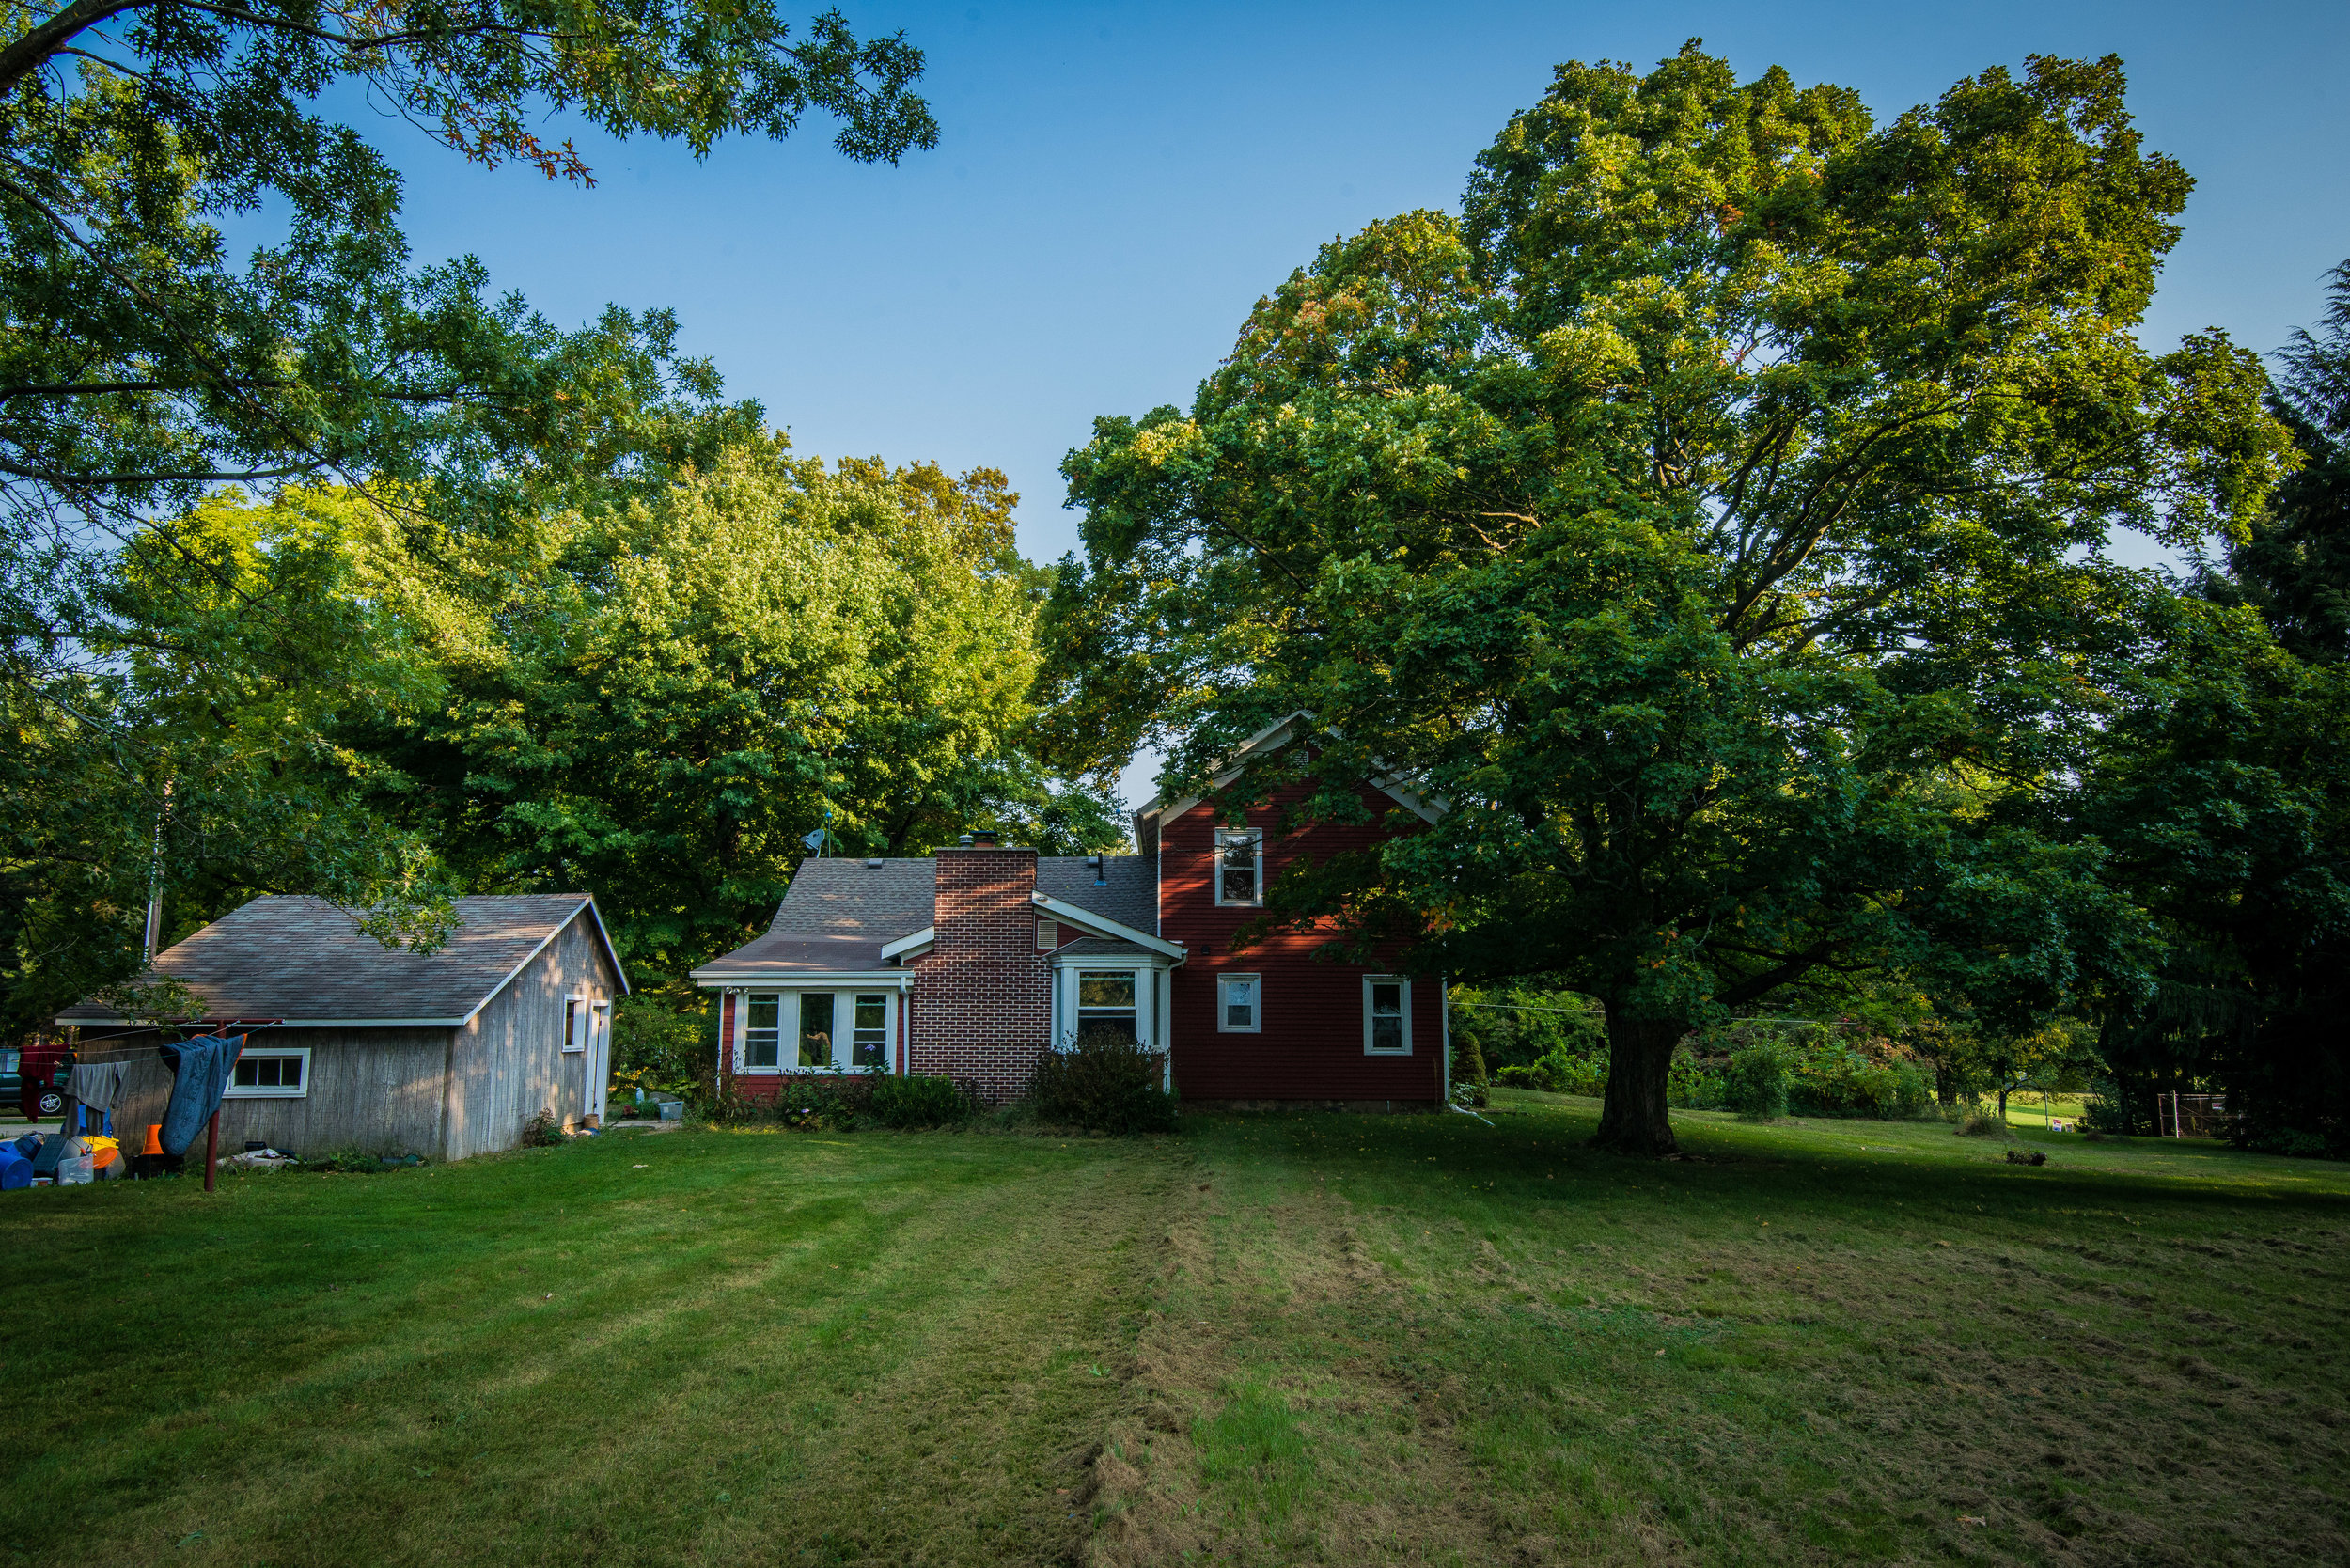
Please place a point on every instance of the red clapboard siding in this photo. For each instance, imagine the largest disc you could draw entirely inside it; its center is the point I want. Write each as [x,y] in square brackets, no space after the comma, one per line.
[1312,1047]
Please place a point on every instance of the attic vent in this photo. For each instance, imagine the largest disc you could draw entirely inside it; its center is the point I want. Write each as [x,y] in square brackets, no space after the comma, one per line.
[872,863]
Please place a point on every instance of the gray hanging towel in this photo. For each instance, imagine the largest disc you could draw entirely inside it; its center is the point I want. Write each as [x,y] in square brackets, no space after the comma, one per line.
[97,1085]
[200,1069]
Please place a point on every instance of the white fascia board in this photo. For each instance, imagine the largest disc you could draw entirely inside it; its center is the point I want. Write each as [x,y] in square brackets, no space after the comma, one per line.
[913,946]
[784,980]
[1425,810]
[292,1023]
[561,926]
[609,951]
[1095,925]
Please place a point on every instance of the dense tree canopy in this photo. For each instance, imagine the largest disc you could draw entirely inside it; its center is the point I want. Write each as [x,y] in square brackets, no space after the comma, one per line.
[169,671]
[1712,518]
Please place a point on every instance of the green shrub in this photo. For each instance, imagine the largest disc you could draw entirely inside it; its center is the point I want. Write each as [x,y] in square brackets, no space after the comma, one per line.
[919,1099]
[1106,1083]
[832,1101]
[1694,1082]
[541,1131]
[349,1161]
[1755,1082]
[1561,1072]
[1981,1122]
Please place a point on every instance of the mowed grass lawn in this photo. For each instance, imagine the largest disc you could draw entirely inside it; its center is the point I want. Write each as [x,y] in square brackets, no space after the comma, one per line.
[1270,1340]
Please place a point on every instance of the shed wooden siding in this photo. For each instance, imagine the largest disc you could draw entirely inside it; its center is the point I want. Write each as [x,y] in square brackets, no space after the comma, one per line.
[372,1088]
[509,1064]
[1312,1045]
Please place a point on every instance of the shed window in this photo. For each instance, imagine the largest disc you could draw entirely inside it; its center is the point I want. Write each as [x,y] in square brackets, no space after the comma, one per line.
[762,1037]
[280,1073]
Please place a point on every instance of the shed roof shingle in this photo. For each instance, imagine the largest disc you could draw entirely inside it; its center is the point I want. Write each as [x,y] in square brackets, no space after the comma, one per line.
[304,958]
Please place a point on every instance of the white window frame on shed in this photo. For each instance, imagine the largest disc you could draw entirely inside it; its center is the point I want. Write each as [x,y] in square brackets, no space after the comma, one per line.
[575,1023]
[1224,1024]
[1233,836]
[259,1054]
[1404,993]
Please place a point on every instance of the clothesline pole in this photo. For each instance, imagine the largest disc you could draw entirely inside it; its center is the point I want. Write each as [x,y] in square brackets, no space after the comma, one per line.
[212,1149]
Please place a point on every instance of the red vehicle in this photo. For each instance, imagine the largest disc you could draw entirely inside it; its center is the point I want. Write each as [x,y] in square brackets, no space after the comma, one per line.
[34,1075]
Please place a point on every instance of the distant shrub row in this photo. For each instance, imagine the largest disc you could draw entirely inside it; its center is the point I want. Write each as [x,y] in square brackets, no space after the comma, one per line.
[1107,1084]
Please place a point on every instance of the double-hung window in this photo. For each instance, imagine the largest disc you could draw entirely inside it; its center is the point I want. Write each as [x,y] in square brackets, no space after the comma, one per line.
[868,1039]
[264,1074]
[1386,1015]
[1105,1000]
[1239,1003]
[762,1033]
[1240,867]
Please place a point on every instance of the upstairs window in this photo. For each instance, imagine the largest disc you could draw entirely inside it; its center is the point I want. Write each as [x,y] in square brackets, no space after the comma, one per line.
[1240,867]
[763,1036]
[1386,1015]
[1236,1004]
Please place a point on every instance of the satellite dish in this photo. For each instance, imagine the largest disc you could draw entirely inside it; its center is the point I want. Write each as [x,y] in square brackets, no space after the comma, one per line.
[814,839]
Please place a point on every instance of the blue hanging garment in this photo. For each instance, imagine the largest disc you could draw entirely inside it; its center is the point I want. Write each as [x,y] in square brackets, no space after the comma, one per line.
[200,1069]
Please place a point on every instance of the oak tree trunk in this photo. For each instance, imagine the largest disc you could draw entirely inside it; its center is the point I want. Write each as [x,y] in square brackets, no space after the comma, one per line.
[1634,1120]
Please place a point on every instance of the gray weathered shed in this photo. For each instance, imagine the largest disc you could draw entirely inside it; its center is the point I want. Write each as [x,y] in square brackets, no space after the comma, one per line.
[444,1054]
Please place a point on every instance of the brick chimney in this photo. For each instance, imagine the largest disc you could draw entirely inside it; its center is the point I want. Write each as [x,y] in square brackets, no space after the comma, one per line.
[982,996]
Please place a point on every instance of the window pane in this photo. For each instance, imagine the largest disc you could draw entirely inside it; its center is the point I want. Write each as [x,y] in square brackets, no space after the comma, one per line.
[764,1011]
[269,1069]
[870,1046]
[1387,1034]
[816,1029]
[762,1037]
[1387,999]
[1240,1003]
[289,1072]
[1238,869]
[245,1074]
[759,1048]
[1106,987]
[1122,1023]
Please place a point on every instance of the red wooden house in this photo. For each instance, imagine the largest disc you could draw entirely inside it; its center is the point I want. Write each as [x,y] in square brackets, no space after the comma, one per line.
[972,962]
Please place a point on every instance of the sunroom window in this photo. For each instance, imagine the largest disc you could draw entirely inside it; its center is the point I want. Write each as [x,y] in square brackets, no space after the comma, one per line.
[869,1042]
[816,1029]
[762,1033]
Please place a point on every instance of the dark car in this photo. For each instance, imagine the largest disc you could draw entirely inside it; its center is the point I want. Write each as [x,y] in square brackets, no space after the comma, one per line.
[34,1077]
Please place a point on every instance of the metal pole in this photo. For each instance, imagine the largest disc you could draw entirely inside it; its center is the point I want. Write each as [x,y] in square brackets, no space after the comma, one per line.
[211,1150]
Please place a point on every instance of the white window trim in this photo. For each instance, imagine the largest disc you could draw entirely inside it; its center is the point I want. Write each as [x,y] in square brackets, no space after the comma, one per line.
[1151,997]
[253,1053]
[1256,1010]
[575,1024]
[787,1029]
[1256,835]
[1405,998]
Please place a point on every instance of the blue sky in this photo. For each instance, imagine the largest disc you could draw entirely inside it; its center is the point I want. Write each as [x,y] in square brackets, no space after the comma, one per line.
[1116,184]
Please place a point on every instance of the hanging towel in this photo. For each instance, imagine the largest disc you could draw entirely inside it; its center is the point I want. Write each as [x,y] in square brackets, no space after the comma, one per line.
[98,1087]
[199,1075]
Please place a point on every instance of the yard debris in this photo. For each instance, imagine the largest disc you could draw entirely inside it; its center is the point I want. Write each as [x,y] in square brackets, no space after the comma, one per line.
[2037,1156]
[1972,1519]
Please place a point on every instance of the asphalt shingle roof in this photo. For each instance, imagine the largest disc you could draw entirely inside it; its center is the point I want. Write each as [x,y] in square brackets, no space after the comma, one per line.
[304,958]
[838,914]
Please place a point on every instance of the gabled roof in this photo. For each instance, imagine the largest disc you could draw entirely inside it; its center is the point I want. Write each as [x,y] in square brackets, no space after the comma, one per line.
[304,960]
[1157,813]
[839,914]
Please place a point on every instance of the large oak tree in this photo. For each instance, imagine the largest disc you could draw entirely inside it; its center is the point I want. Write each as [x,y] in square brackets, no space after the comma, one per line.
[1711,516]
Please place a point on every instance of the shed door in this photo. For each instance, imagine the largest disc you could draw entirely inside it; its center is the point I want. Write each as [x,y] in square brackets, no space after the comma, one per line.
[598,1066]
